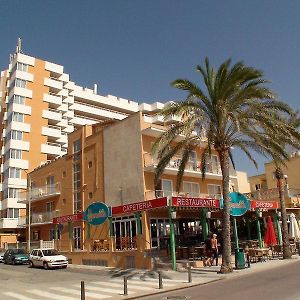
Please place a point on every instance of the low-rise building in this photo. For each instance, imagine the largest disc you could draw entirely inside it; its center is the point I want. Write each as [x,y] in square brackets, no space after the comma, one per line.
[111,162]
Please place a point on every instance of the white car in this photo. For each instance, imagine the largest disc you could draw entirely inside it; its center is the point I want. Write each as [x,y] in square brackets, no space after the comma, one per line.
[47,258]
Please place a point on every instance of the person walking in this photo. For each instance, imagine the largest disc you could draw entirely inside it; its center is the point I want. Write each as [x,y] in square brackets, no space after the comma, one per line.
[214,249]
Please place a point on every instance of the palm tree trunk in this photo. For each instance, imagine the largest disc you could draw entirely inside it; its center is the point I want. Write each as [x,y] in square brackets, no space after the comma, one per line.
[226,266]
[285,235]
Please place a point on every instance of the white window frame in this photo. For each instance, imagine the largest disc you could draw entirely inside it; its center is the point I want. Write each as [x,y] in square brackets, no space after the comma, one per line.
[191,192]
[214,185]
[167,192]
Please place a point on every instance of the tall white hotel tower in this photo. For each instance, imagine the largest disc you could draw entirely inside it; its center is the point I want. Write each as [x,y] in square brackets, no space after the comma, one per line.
[40,105]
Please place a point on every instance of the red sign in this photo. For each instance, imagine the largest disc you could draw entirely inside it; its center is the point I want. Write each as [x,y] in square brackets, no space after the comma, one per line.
[195,202]
[140,206]
[66,219]
[264,204]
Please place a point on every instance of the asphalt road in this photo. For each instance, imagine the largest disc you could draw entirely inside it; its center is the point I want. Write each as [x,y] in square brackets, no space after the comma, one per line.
[279,283]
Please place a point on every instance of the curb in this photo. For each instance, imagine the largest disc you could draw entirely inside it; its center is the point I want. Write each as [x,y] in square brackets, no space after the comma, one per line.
[173,289]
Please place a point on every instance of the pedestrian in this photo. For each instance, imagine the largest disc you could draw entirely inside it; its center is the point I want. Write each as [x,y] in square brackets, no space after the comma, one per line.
[214,249]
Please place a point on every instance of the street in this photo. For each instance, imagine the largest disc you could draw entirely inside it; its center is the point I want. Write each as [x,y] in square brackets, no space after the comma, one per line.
[24,283]
[278,283]
[269,280]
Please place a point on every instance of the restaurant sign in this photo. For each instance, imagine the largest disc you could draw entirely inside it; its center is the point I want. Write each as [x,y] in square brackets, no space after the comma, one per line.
[96,213]
[195,202]
[68,218]
[239,204]
[255,204]
[140,206]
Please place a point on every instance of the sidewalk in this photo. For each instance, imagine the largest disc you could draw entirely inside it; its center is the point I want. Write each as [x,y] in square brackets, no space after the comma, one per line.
[145,282]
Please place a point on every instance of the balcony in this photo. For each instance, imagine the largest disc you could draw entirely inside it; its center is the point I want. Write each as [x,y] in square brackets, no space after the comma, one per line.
[53,99]
[45,217]
[53,83]
[193,168]
[52,148]
[53,131]
[149,195]
[8,223]
[52,114]
[40,193]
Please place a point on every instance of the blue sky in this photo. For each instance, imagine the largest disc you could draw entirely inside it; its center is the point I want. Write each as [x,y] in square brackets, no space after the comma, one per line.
[135,48]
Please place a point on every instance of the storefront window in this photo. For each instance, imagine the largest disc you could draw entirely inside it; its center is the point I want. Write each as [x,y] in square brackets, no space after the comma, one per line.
[160,233]
[125,232]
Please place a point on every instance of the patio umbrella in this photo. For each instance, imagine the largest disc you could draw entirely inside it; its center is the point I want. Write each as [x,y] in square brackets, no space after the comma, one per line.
[294,228]
[270,237]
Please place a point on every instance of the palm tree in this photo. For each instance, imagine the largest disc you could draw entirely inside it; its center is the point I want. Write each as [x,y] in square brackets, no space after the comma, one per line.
[294,121]
[236,109]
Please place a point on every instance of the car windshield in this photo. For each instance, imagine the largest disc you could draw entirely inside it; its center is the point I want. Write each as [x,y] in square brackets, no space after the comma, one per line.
[50,252]
[19,251]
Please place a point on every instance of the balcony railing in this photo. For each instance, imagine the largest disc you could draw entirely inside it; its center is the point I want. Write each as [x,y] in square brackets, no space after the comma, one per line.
[40,192]
[211,166]
[149,195]
[37,218]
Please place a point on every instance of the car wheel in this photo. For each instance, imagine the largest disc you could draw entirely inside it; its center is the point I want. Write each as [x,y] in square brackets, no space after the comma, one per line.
[5,262]
[31,265]
[13,262]
[45,265]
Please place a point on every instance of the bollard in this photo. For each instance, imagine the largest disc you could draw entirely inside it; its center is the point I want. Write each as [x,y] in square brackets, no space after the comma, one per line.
[248,260]
[160,283]
[125,286]
[82,291]
[189,273]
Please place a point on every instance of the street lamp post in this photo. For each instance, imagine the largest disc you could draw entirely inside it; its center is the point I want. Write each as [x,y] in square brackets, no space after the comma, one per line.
[28,198]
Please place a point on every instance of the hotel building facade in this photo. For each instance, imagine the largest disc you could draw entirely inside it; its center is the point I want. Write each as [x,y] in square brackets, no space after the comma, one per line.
[40,106]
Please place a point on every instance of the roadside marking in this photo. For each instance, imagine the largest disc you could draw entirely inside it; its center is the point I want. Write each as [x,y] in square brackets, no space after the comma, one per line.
[151,282]
[77,293]
[49,295]
[145,288]
[17,296]
[114,291]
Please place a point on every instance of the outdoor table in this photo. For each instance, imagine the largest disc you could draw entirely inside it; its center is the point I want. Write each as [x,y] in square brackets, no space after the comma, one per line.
[200,251]
[259,253]
[183,252]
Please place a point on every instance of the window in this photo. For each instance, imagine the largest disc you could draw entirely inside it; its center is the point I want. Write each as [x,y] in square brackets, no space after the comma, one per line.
[14,154]
[13,173]
[191,188]
[257,186]
[22,67]
[50,184]
[49,206]
[11,193]
[15,135]
[77,202]
[167,187]
[213,165]
[12,213]
[36,236]
[125,228]
[17,99]
[90,195]
[77,238]
[20,83]
[64,174]
[90,164]
[76,150]
[16,116]
[214,190]
[53,236]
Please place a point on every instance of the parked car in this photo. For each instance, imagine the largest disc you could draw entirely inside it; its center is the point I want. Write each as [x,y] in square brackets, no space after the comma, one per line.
[2,251]
[47,258]
[15,256]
